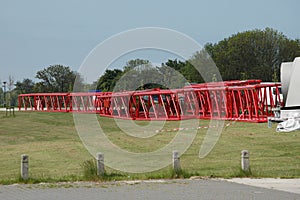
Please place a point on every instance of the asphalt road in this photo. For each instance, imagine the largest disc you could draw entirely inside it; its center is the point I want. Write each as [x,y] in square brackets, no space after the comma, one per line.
[169,189]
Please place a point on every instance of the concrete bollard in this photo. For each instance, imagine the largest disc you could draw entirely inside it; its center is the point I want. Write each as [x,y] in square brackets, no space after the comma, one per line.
[24,166]
[245,161]
[176,162]
[100,164]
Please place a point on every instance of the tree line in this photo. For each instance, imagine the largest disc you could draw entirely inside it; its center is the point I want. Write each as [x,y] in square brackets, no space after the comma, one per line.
[255,54]
[55,78]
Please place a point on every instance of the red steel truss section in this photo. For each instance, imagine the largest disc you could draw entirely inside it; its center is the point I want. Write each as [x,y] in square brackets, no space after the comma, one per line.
[86,102]
[249,100]
[52,102]
[154,104]
[252,102]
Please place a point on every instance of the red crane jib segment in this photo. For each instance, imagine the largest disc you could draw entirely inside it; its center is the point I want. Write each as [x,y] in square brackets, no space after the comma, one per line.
[250,101]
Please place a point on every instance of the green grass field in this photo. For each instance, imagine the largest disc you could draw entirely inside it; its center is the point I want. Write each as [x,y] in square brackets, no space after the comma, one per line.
[56,152]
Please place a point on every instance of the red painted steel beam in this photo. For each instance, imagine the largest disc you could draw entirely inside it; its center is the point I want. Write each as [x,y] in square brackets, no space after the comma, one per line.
[248,100]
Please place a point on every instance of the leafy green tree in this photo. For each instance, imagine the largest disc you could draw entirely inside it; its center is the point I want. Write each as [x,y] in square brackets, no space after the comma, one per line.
[144,76]
[201,68]
[175,64]
[255,54]
[172,78]
[56,78]
[134,63]
[130,75]
[24,87]
[108,80]
[184,68]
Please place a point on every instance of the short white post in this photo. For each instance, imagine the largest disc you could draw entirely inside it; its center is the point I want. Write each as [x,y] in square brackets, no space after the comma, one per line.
[245,162]
[100,164]
[24,166]
[176,162]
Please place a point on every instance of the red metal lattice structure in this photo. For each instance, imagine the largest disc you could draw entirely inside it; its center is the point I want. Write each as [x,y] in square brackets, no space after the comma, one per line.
[51,102]
[249,100]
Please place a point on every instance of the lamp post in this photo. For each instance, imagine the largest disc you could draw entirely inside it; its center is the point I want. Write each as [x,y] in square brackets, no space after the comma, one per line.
[4,93]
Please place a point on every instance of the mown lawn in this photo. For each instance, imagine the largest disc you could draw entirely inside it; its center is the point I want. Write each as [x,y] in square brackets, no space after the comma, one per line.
[55,149]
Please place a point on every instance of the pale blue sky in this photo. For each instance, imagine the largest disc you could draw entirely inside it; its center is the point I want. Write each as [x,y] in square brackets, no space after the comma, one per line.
[35,34]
